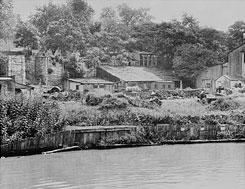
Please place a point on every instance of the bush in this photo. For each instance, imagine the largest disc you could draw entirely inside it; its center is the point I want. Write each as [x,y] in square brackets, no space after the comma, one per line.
[223,104]
[21,118]
[113,103]
[92,100]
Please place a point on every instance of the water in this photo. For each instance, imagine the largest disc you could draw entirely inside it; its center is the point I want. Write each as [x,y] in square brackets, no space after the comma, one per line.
[170,166]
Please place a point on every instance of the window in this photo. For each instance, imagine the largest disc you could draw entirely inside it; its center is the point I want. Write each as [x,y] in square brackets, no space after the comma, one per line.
[102,86]
[155,86]
[169,86]
[163,86]
[77,87]
[95,86]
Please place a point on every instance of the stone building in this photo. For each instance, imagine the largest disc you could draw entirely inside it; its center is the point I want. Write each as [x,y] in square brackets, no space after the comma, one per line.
[16,65]
[13,74]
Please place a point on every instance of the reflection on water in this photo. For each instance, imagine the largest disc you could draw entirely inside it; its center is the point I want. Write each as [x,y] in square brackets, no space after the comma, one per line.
[169,166]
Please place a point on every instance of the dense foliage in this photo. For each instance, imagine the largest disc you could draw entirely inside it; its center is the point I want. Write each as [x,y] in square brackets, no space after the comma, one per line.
[7,19]
[182,45]
[21,118]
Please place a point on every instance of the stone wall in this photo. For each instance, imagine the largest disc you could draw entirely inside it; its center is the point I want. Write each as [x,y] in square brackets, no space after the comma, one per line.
[55,72]
[16,67]
[44,70]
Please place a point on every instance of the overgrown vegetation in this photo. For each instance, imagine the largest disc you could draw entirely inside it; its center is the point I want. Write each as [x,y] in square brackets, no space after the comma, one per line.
[21,118]
[224,104]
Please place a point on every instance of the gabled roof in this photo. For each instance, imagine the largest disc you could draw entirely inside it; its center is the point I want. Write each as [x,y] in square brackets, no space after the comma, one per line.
[89,81]
[133,73]
[233,78]
[243,49]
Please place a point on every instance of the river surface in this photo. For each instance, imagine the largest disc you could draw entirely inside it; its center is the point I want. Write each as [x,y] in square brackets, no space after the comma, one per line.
[169,166]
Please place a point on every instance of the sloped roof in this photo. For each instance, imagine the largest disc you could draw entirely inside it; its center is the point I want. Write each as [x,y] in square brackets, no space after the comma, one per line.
[242,45]
[90,80]
[133,73]
[233,78]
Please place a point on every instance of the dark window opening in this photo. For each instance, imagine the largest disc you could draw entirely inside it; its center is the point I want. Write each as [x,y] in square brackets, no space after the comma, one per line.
[77,87]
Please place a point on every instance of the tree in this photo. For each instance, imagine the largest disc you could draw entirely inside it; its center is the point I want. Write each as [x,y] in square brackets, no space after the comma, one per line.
[72,67]
[145,36]
[44,15]
[109,19]
[95,27]
[7,19]
[80,11]
[168,37]
[62,35]
[130,17]
[189,59]
[236,34]
[189,21]
[95,56]
[26,36]
[64,27]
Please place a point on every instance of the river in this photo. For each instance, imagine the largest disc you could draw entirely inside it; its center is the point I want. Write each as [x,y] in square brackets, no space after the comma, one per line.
[169,166]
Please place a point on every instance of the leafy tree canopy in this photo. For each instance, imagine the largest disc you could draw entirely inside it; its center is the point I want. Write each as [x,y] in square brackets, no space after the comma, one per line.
[26,36]
[7,19]
[236,34]
[189,59]
[64,27]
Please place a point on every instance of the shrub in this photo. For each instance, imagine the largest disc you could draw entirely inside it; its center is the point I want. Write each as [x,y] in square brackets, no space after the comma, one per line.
[223,104]
[28,118]
[113,103]
[92,100]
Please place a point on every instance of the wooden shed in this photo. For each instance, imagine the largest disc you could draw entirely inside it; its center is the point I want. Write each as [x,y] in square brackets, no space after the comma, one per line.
[229,82]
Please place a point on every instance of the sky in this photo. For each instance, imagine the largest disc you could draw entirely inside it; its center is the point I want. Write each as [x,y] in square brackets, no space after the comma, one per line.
[218,14]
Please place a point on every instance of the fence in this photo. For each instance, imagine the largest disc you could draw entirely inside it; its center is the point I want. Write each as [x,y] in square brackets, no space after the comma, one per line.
[85,137]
